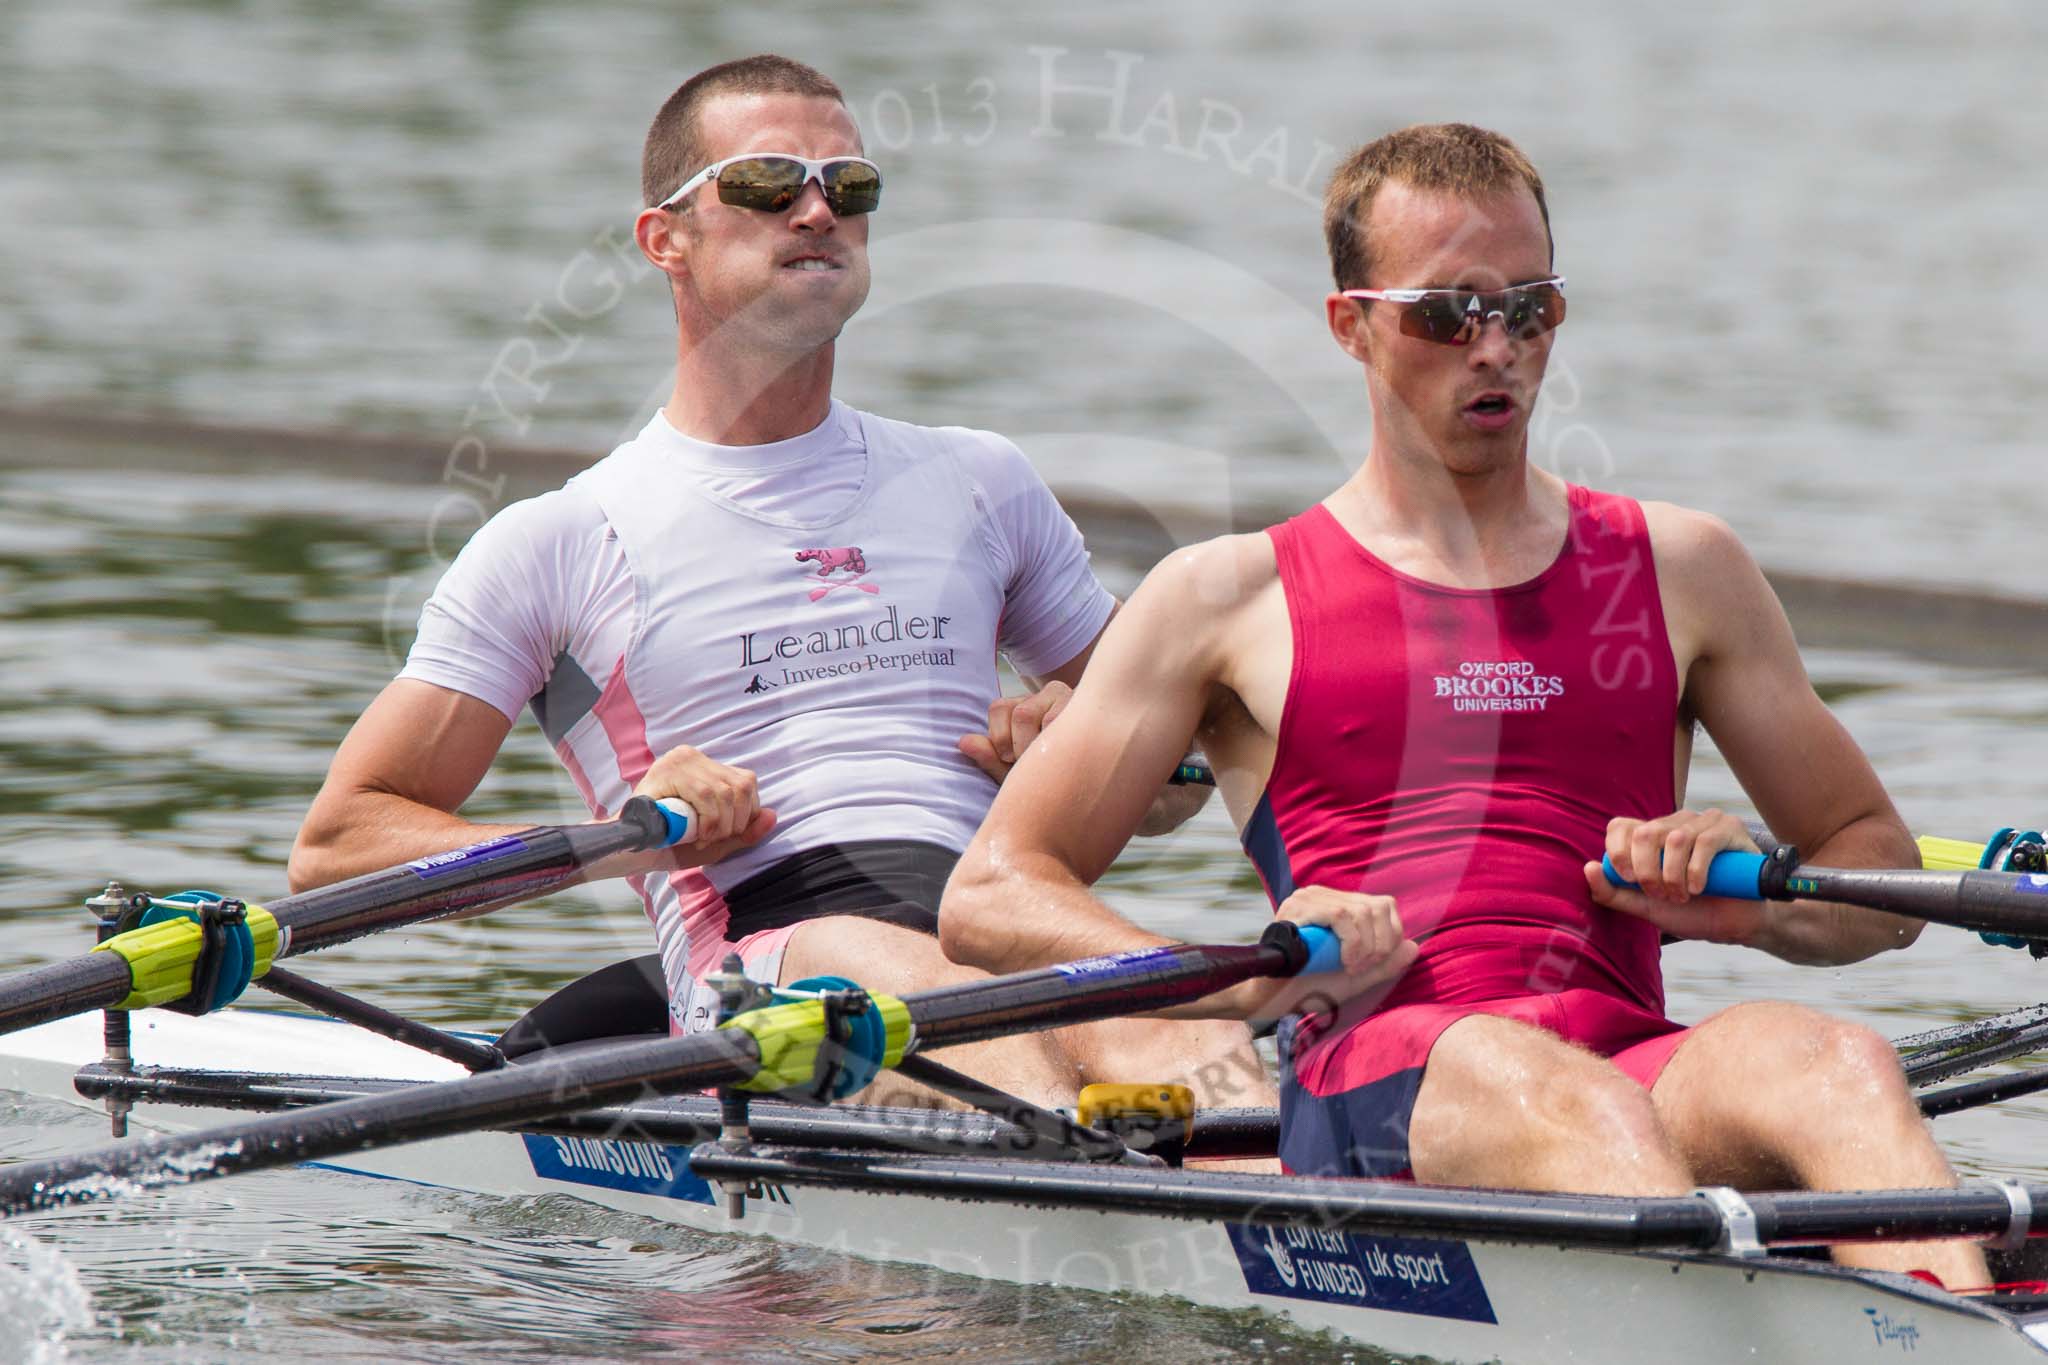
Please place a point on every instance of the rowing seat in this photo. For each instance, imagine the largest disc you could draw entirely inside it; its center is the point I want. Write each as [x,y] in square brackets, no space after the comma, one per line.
[625,1000]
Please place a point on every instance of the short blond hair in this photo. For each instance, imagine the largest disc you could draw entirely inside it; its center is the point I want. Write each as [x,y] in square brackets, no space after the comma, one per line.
[1451,158]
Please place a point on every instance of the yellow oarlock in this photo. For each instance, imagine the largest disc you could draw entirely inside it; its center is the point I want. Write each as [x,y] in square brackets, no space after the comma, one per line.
[1104,1101]
[1950,855]
[788,1037]
[161,956]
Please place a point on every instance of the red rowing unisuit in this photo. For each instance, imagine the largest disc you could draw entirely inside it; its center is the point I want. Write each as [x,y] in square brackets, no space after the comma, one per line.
[1462,750]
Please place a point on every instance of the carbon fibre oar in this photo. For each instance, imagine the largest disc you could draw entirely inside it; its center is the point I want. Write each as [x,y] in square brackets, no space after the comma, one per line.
[1953,1049]
[1994,902]
[2009,850]
[154,965]
[687,1120]
[1976,1094]
[771,1049]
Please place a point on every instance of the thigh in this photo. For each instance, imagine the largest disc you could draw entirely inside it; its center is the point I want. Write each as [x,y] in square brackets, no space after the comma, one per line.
[1404,1092]
[877,956]
[871,953]
[1489,1080]
[1213,1057]
[1756,1080]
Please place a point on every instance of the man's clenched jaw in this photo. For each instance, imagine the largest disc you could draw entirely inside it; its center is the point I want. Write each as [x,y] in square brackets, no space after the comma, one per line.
[774,281]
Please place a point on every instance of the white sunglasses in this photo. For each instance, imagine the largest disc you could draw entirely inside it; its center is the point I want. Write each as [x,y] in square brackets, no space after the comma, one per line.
[770,182]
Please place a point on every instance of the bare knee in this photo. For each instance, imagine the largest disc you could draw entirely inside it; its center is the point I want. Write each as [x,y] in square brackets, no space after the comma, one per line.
[1862,1055]
[1505,1103]
[1819,1058]
[1847,1076]
[1772,1088]
[1779,1093]
[1606,1105]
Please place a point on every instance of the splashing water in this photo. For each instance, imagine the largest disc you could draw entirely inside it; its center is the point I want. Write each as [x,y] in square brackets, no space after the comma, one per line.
[43,1301]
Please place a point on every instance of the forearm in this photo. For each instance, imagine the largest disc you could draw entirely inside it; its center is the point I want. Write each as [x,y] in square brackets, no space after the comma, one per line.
[1824,934]
[347,836]
[1015,921]
[1016,916]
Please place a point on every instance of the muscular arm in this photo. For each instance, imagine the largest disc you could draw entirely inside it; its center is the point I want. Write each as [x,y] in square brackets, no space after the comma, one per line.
[413,758]
[1808,779]
[420,750]
[1174,804]
[1014,722]
[1019,897]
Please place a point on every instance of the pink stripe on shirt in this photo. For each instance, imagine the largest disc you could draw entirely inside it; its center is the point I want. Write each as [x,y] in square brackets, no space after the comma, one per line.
[624,726]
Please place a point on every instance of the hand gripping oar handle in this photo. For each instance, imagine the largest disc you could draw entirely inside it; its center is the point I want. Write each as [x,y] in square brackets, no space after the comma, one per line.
[492,873]
[1998,902]
[749,1051]
[1733,873]
[1309,948]
[128,971]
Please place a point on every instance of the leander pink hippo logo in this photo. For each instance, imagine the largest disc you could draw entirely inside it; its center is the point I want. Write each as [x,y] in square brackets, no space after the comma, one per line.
[846,559]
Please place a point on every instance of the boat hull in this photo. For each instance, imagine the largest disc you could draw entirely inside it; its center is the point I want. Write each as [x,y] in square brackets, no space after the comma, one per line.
[1450,1300]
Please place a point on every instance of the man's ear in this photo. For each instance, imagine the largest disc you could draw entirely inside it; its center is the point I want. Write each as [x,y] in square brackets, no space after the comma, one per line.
[1347,325]
[663,240]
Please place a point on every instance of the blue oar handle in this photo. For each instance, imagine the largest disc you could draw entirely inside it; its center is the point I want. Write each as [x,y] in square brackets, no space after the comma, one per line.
[1315,947]
[1325,953]
[1733,873]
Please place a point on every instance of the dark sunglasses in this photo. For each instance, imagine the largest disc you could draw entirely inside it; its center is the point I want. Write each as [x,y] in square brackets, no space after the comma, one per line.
[771,181]
[1455,317]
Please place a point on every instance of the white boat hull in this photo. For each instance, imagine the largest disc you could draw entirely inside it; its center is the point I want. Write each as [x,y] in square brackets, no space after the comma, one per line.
[1451,1300]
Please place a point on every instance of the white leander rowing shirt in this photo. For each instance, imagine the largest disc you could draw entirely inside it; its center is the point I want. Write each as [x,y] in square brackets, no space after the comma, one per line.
[824,611]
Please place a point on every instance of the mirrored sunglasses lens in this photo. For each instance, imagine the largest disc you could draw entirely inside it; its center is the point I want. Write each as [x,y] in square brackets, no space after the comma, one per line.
[768,183]
[1439,318]
[852,188]
[1533,311]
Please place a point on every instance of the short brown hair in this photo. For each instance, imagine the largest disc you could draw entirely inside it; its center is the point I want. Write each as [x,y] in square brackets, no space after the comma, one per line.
[674,149]
[1453,158]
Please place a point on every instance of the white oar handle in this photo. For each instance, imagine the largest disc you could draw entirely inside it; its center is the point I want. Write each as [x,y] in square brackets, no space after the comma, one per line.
[1733,873]
[681,818]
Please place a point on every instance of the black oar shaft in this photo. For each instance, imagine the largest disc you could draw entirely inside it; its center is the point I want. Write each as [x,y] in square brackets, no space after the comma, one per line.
[1118,984]
[1991,1090]
[1079,993]
[1972,1033]
[497,872]
[62,989]
[1993,902]
[1925,1069]
[491,1099]
[509,869]
[1989,902]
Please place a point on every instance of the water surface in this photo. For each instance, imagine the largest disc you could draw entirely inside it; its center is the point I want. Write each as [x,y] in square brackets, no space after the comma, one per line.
[1807,294]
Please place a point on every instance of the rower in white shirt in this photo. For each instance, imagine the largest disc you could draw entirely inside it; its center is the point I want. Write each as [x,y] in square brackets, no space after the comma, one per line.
[771,606]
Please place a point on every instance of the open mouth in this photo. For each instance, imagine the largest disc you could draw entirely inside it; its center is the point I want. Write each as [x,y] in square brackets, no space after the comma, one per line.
[810,263]
[1491,405]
